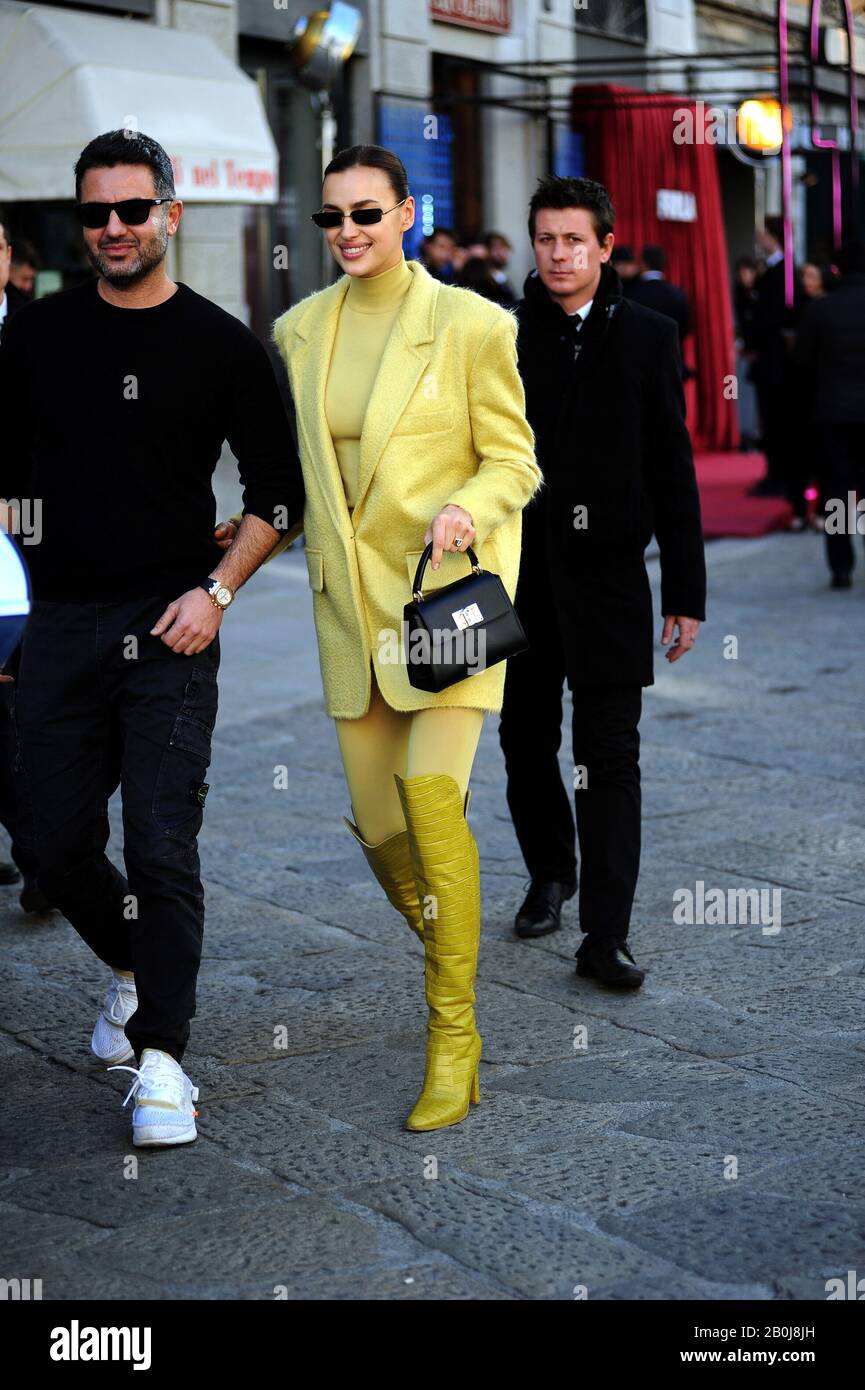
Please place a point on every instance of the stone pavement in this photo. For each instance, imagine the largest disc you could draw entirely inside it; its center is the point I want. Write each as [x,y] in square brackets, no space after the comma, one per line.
[706,1142]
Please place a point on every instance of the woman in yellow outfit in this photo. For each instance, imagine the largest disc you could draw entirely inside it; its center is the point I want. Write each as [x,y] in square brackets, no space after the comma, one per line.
[411,428]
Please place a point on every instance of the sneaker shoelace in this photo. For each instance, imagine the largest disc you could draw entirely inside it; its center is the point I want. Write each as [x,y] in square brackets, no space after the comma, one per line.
[158,1072]
[114,1014]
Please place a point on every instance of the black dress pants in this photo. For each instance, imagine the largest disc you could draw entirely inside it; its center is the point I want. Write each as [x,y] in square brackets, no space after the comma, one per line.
[100,704]
[606,743]
[842,454]
[775,407]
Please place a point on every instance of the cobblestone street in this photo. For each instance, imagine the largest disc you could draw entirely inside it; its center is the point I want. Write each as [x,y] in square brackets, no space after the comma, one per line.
[706,1142]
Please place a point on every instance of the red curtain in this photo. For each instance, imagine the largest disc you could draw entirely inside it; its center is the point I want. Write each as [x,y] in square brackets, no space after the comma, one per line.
[630,149]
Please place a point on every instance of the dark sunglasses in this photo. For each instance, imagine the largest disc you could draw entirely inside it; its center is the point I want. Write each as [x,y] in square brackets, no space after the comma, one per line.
[131,211]
[361,217]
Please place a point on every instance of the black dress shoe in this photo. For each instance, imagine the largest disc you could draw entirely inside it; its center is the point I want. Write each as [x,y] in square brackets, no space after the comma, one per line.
[611,964]
[841,581]
[541,911]
[8,874]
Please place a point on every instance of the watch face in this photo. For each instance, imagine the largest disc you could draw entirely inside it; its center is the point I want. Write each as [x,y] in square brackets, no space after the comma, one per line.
[223,596]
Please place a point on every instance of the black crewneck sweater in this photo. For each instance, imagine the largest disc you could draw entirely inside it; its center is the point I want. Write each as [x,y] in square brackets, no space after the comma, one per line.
[112,422]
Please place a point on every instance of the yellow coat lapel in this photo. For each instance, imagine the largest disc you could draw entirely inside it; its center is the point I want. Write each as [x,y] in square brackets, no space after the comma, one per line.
[405,359]
[310,362]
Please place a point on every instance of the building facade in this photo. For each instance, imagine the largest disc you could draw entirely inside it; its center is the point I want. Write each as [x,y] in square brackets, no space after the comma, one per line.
[215,82]
[477,98]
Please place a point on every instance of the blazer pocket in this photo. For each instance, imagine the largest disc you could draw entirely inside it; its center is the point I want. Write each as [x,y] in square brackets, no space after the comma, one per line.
[315,569]
[434,579]
[425,421]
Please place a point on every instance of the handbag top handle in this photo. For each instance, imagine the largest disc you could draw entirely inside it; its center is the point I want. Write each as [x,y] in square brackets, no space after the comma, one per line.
[417,592]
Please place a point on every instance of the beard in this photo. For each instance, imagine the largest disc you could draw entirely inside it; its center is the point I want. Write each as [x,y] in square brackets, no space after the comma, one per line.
[134,271]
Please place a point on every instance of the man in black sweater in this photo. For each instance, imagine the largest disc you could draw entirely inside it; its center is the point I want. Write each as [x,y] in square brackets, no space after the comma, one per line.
[830,361]
[604,397]
[120,394]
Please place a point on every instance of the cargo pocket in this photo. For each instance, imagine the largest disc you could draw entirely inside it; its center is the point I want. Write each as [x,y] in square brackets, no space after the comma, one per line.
[180,791]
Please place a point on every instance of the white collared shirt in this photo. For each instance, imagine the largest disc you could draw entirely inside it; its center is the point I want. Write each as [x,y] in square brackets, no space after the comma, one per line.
[582,314]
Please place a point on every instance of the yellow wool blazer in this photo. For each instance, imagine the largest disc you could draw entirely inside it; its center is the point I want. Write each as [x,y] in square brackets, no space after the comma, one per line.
[445,423]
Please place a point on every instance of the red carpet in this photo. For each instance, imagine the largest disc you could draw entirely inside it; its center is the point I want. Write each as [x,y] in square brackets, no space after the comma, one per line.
[723,480]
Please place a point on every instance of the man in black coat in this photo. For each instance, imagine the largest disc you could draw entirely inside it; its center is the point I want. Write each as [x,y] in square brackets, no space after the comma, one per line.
[604,397]
[652,289]
[770,341]
[830,361]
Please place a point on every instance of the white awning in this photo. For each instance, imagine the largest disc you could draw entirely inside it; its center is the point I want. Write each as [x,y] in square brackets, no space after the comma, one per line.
[67,76]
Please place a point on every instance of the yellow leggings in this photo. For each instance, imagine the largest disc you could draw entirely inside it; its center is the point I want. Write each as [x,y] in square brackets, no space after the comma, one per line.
[385,741]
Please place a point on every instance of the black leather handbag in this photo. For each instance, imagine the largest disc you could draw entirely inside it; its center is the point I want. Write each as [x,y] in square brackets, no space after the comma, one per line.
[458,630]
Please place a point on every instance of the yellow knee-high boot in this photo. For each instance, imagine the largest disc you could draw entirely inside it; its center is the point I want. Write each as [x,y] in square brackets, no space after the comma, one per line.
[391,863]
[445,859]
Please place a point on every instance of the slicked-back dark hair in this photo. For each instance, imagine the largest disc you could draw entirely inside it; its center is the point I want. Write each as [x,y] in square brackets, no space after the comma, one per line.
[127,147]
[554,191]
[372,157]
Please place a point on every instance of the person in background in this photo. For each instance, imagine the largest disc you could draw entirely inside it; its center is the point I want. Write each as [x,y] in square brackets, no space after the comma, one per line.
[626,266]
[815,278]
[499,251]
[468,248]
[437,254]
[830,362]
[744,311]
[744,295]
[804,448]
[604,396]
[25,263]
[11,299]
[772,334]
[24,866]
[477,274]
[653,289]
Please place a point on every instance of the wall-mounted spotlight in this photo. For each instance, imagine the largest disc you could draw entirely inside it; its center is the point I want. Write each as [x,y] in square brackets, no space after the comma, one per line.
[323,42]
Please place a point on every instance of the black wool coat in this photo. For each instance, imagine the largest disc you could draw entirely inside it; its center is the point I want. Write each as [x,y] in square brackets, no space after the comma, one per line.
[666,299]
[617,463]
[830,355]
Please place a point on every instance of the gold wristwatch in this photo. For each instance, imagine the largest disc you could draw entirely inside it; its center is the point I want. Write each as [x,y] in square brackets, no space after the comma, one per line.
[220,594]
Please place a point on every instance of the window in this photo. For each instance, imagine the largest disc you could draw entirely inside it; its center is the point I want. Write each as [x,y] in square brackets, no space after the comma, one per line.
[405,128]
[621,19]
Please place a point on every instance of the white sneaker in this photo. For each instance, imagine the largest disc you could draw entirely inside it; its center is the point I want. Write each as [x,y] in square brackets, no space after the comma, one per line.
[109,1042]
[164,1095]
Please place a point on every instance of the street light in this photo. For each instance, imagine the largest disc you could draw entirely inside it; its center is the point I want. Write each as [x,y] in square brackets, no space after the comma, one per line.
[759,125]
[322,44]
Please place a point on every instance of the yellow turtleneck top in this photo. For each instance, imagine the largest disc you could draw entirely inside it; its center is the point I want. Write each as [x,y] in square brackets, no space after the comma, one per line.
[369,312]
